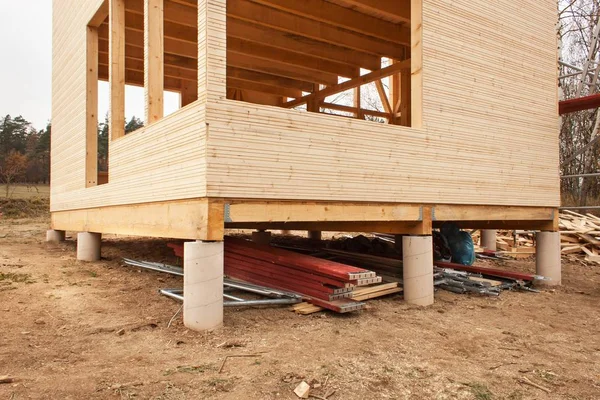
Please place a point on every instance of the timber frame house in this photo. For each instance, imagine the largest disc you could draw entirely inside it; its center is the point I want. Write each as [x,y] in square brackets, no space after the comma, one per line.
[468,131]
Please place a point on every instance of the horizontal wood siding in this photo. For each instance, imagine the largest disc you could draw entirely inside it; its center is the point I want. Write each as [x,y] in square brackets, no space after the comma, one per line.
[164,161]
[490,123]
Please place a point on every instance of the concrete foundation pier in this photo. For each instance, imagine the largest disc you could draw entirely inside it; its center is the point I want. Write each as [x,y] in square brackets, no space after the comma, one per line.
[547,257]
[203,285]
[417,259]
[261,237]
[488,239]
[54,236]
[315,236]
[88,246]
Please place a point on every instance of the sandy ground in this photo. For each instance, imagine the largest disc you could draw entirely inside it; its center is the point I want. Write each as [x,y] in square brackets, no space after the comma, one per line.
[71,330]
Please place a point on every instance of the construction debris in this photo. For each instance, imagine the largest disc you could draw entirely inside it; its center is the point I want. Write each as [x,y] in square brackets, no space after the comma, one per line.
[302,390]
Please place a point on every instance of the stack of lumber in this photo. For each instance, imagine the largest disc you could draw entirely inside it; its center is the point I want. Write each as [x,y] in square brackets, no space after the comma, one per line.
[323,283]
[360,294]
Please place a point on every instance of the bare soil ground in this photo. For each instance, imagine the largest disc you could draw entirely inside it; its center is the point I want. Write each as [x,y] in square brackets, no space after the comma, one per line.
[71,330]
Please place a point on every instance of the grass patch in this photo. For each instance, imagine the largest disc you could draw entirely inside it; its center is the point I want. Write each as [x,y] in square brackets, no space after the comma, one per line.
[16,278]
[190,369]
[480,391]
[24,208]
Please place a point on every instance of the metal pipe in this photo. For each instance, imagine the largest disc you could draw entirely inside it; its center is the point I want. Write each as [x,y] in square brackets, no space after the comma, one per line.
[580,175]
[580,208]
[177,295]
[230,297]
[172,293]
[169,269]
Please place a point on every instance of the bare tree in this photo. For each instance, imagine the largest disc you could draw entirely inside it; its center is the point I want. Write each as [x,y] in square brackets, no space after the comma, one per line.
[13,168]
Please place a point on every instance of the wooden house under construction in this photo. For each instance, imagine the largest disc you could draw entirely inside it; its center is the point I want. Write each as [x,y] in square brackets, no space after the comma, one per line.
[274,131]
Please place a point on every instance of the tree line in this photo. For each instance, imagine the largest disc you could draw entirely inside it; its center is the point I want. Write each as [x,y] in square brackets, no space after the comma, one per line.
[25,151]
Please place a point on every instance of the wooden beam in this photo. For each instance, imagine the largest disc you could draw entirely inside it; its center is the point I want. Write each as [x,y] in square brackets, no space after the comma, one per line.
[267,52]
[281,40]
[342,17]
[351,84]
[276,68]
[262,88]
[100,16]
[154,60]
[261,15]
[405,98]
[135,63]
[117,69]
[200,219]
[268,79]
[91,101]
[416,70]
[136,78]
[354,110]
[383,96]
[397,10]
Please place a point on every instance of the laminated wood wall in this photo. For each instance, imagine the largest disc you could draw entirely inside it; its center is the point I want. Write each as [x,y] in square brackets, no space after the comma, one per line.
[164,161]
[490,124]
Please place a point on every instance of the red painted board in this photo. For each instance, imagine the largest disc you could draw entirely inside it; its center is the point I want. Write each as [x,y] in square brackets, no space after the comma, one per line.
[265,281]
[295,260]
[280,276]
[289,272]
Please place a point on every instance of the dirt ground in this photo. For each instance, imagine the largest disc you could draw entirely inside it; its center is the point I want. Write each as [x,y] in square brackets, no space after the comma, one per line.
[71,330]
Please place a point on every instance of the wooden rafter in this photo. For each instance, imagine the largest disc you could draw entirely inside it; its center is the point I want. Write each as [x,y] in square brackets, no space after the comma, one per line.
[393,10]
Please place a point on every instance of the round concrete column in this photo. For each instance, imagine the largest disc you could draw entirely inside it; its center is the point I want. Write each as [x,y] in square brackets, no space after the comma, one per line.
[261,237]
[488,239]
[315,236]
[88,246]
[417,263]
[547,257]
[55,236]
[203,285]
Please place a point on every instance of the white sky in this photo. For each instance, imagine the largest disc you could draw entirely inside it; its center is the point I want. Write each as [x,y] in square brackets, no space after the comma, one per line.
[26,66]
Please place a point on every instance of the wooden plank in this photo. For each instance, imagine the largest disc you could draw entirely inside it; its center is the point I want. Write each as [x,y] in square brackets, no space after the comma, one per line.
[91,126]
[267,79]
[396,10]
[154,60]
[416,71]
[384,97]
[100,16]
[117,69]
[200,219]
[353,110]
[262,88]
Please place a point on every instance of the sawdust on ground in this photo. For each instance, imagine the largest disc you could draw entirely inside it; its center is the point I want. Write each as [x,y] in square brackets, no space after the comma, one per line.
[72,330]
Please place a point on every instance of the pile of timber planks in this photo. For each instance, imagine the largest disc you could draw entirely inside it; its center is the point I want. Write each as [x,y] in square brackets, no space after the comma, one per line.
[360,294]
[327,284]
[579,234]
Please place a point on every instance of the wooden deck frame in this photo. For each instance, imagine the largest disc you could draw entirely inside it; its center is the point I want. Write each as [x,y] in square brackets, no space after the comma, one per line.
[207,218]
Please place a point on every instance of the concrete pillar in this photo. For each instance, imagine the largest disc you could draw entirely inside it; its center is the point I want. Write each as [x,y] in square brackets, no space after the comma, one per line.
[203,285]
[88,246]
[417,263]
[547,257]
[488,239]
[55,236]
[315,236]
[261,237]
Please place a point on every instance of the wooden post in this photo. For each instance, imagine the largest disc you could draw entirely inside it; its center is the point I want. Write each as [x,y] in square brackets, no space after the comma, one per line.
[117,69]
[212,58]
[405,97]
[189,93]
[91,101]
[416,56]
[154,63]
[394,82]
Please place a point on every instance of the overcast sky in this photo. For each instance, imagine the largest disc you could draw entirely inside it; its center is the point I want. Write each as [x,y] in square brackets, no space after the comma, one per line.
[26,65]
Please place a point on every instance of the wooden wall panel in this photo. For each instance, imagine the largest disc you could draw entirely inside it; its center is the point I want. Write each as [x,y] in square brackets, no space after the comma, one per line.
[164,161]
[490,124]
